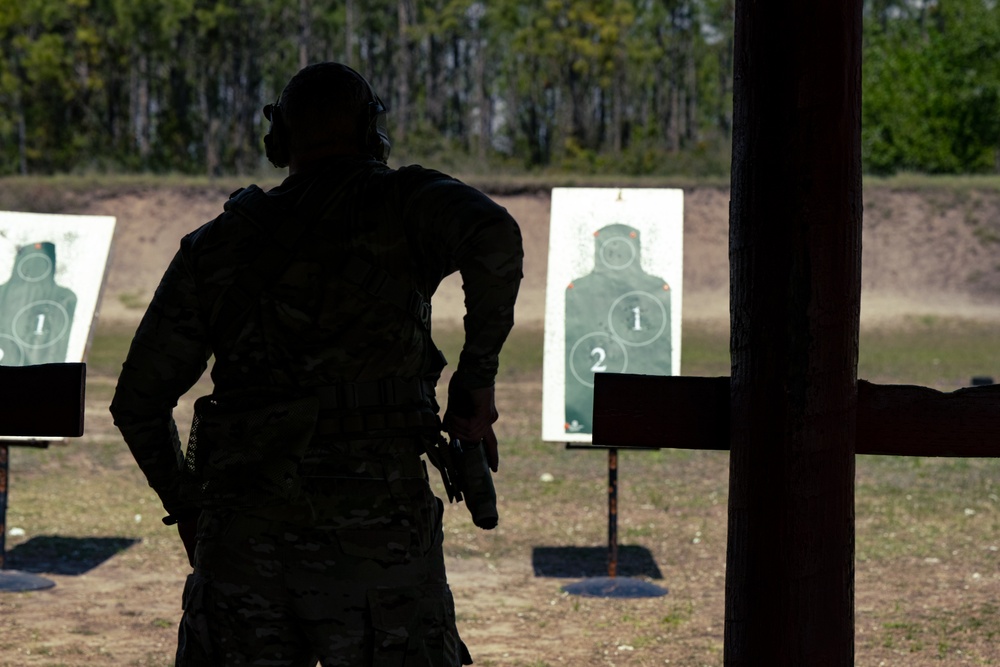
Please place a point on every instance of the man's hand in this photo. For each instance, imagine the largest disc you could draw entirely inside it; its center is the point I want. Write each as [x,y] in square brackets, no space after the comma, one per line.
[188,529]
[470,417]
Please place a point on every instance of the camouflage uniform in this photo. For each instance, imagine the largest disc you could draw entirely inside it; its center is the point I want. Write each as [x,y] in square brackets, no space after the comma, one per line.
[351,570]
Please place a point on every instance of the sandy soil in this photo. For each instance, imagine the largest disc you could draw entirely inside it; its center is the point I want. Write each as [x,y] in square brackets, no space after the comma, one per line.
[923,253]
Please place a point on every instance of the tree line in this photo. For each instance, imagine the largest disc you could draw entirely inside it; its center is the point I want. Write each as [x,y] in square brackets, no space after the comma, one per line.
[630,86]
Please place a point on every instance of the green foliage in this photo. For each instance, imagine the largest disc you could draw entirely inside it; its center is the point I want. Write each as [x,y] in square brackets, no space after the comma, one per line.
[157,86]
[931,88]
[591,87]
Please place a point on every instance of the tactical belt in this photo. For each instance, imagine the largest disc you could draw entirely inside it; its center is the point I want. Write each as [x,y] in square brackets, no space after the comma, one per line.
[382,407]
[335,462]
[388,392]
[377,424]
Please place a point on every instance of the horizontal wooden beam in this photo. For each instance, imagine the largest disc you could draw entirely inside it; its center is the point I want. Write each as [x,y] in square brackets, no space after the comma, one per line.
[904,420]
[657,411]
[44,401]
[693,413]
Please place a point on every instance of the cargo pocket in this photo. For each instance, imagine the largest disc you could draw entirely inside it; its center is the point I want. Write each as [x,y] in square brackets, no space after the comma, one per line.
[212,526]
[429,527]
[415,627]
[194,644]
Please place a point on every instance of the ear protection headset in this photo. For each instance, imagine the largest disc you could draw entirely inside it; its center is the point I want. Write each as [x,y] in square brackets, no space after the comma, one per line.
[377,142]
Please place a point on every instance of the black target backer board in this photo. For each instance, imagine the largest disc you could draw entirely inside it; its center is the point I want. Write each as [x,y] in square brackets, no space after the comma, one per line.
[613,297]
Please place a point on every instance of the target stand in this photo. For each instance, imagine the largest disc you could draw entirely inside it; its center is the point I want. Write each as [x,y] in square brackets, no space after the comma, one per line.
[43,403]
[612,586]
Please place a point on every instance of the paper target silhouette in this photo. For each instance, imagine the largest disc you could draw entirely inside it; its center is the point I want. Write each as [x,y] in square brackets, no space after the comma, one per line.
[617,321]
[613,297]
[35,313]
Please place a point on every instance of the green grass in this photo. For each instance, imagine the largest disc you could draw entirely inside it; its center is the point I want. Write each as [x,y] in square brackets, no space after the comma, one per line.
[521,355]
[938,352]
[54,194]
[705,351]
[962,183]
[942,353]
[108,349]
[133,300]
[926,508]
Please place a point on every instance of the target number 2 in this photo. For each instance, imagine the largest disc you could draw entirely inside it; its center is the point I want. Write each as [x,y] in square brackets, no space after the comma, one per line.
[599,365]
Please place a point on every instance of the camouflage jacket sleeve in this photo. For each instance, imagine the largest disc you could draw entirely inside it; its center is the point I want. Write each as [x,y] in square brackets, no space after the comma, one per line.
[471,233]
[169,353]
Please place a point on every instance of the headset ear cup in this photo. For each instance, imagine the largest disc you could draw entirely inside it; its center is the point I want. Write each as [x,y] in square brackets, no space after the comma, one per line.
[275,144]
[377,138]
[378,141]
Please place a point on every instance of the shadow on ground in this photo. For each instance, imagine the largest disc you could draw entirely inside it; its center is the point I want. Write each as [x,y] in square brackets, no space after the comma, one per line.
[51,554]
[580,562]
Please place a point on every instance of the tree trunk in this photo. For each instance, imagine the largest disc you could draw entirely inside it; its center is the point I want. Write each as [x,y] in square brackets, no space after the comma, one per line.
[210,124]
[482,102]
[795,262]
[434,76]
[22,139]
[350,48]
[457,87]
[691,95]
[725,121]
[305,32]
[140,104]
[403,70]
[617,115]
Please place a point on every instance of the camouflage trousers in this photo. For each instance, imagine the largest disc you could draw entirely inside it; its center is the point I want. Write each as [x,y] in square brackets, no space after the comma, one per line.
[351,573]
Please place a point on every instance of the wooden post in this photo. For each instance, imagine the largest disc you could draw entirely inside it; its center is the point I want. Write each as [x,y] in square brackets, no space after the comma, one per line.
[795,278]
[4,468]
[612,512]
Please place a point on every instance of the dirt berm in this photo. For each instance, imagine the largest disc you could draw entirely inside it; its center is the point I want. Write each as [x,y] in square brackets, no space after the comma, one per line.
[926,251]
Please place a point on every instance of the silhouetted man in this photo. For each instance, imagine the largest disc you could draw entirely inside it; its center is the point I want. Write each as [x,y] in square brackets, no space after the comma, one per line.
[317,534]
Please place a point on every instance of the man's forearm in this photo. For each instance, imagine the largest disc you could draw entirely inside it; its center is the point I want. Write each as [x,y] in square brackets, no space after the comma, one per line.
[155,445]
[491,281]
